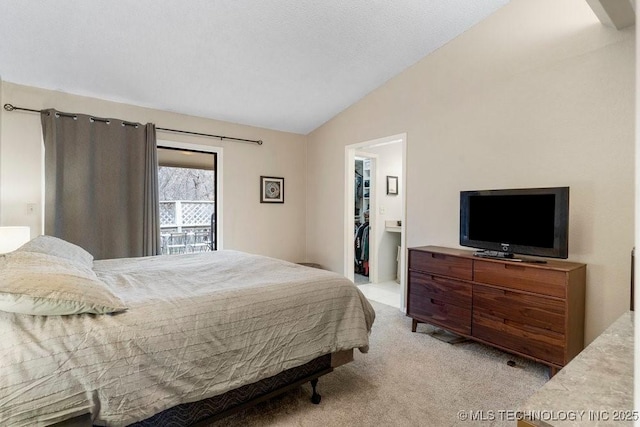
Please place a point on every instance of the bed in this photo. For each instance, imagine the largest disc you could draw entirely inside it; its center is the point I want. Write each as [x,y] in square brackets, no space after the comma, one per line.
[183,329]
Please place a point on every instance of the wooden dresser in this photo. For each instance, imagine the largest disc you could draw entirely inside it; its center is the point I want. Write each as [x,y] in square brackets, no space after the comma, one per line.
[531,309]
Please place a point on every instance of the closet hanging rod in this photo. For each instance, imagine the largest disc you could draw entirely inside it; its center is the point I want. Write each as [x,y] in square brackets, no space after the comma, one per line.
[10,107]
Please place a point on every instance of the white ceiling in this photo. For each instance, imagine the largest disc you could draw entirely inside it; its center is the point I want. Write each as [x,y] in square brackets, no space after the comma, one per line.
[289,65]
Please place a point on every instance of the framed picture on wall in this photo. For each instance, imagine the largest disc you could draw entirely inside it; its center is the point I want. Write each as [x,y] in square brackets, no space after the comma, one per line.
[392,185]
[271,189]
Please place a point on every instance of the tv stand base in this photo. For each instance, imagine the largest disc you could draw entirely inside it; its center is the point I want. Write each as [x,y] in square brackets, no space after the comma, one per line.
[494,254]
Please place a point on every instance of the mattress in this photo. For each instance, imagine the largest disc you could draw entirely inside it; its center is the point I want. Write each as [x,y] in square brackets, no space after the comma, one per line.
[197,325]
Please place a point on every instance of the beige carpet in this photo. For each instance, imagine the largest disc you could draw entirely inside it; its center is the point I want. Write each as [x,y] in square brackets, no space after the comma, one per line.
[406,379]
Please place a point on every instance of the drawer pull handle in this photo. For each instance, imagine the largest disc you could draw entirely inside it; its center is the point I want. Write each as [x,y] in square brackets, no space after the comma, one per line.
[438,256]
[436,302]
[513,267]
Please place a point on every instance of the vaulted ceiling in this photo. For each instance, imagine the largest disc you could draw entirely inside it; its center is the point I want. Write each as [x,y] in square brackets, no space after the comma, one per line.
[288,65]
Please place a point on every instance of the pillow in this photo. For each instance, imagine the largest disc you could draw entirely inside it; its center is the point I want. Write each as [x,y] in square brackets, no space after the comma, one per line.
[41,284]
[58,247]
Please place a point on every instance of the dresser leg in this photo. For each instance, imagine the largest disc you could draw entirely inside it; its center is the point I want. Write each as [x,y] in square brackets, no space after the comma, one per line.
[552,371]
[414,325]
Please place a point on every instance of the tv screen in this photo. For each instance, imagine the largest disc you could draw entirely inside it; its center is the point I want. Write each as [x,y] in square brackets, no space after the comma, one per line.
[531,221]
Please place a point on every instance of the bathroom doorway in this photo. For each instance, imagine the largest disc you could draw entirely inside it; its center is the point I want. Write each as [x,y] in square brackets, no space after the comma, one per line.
[381,240]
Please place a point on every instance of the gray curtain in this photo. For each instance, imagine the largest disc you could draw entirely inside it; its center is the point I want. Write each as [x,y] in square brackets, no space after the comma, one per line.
[101,184]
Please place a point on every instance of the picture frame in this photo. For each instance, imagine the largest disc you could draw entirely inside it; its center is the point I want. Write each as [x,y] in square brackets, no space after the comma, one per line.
[271,189]
[392,185]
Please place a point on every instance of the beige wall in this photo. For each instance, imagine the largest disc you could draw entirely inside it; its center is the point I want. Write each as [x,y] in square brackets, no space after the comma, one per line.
[539,94]
[276,230]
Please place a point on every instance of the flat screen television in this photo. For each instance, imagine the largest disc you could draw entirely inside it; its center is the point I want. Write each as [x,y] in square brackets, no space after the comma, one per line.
[527,221]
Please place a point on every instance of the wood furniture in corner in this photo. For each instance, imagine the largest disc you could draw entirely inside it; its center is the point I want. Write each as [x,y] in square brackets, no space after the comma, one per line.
[530,309]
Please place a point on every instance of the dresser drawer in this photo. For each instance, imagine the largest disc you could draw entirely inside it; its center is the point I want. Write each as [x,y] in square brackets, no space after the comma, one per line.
[539,312]
[445,265]
[448,316]
[451,291]
[541,344]
[520,276]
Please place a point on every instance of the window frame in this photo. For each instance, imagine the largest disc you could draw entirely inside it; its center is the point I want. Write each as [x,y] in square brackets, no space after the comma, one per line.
[218,170]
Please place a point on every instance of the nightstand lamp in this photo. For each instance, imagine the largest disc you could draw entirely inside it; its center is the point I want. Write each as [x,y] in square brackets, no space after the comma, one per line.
[11,238]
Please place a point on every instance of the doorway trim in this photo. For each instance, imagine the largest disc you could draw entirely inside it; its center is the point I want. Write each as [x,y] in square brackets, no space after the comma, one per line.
[218,151]
[349,210]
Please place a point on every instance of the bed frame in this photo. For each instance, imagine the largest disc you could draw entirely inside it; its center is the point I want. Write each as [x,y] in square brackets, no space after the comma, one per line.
[205,411]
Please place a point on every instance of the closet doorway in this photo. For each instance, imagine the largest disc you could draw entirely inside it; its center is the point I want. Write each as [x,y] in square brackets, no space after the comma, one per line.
[365,216]
[376,246]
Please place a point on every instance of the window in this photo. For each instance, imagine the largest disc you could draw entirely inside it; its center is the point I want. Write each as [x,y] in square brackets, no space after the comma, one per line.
[187,184]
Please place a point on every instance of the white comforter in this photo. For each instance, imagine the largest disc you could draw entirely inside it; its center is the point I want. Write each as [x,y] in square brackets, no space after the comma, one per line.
[197,326]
